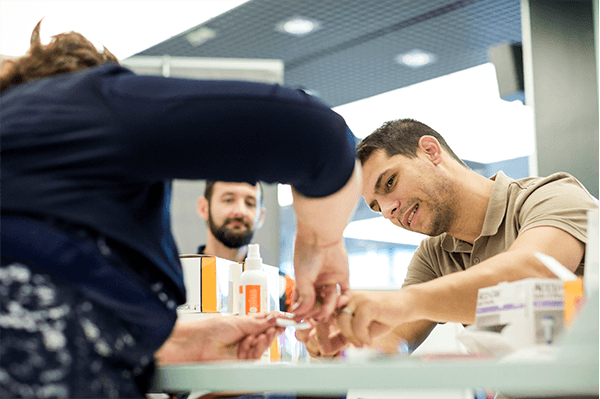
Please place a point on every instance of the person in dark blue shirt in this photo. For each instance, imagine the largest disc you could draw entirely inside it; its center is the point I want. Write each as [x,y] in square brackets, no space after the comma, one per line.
[90,272]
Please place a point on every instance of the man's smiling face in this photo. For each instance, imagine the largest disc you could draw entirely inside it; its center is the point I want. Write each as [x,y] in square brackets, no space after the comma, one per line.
[410,192]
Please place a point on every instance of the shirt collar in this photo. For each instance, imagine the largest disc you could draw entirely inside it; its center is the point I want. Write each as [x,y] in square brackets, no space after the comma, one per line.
[493,216]
[497,206]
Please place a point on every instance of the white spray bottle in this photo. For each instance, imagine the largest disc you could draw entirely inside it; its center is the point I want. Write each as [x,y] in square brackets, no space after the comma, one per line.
[253,284]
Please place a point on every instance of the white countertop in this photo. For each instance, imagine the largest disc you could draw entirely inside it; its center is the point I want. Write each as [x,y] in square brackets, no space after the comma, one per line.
[572,369]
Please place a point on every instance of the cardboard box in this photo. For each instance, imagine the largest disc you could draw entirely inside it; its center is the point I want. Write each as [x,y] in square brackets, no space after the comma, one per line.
[206,280]
[526,312]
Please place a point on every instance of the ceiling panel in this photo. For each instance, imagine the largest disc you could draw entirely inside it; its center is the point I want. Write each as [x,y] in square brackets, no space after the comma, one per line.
[352,54]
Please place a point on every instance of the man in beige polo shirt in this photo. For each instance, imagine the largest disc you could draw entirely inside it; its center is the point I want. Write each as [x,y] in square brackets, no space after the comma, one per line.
[482,232]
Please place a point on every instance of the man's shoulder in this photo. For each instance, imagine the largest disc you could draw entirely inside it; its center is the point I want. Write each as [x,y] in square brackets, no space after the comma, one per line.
[555,179]
[556,184]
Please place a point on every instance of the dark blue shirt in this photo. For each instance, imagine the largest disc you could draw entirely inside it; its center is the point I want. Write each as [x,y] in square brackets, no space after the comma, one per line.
[99,148]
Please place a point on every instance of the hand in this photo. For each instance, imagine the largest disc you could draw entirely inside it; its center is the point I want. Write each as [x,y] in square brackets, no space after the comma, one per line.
[320,258]
[371,314]
[219,338]
[319,271]
[323,340]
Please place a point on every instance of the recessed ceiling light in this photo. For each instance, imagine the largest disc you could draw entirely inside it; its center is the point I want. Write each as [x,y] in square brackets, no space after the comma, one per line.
[298,26]
[415,58]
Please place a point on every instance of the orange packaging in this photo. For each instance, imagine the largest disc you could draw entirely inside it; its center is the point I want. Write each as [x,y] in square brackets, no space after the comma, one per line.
[204,276]
[573,291]
[275,355]
[211,296]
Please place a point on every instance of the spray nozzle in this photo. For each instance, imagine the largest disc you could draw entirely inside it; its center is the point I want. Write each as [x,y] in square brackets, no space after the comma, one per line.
[253,260]
[253,251]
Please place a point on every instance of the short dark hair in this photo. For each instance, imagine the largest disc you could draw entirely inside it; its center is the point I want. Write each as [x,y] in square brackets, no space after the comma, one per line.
[210,184]
[400,136]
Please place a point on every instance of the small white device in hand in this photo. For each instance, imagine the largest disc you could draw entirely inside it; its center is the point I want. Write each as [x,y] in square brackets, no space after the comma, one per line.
[291,323]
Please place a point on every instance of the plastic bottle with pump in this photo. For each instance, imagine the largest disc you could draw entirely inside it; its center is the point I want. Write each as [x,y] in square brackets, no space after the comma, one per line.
[253,289]
[253,284]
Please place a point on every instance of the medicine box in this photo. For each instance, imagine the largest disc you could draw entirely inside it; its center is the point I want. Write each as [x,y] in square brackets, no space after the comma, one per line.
[527,312]
[206,280]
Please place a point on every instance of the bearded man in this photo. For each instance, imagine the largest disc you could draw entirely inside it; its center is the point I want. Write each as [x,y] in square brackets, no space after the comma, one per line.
[233,212]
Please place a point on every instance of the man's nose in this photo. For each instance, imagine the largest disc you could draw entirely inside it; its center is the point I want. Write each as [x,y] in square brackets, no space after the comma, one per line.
[389,209]
[240,208]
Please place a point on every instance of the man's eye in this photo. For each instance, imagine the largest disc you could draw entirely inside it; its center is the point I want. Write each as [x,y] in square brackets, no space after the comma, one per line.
[250,204]
[390,182]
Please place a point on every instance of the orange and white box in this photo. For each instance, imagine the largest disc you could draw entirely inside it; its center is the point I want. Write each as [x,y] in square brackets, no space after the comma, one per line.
[205,278]
[527,312]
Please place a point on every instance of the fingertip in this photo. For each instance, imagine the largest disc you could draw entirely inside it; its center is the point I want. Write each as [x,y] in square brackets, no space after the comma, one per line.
[342,301]
[296,305]
[302,309]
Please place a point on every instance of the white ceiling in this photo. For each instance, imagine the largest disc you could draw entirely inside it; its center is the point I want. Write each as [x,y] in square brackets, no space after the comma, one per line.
[125,27]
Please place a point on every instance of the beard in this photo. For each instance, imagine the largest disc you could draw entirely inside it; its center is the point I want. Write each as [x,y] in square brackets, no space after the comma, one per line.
[442,204]
[230,238]
[442,218]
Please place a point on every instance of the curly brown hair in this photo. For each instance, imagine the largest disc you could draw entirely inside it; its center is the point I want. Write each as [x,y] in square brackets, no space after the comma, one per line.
[66,52]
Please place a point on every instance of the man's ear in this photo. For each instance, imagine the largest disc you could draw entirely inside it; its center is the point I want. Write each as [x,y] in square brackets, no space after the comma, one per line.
[261,218]
[431,148]
[202,207]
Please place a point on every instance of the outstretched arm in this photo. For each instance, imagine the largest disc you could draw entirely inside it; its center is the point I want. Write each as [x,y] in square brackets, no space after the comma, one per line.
[219,338]
[320,257]
[453,298]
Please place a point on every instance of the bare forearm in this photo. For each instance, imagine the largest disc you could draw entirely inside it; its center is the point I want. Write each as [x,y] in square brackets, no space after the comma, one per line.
[453,298]
[170,350]
[321,221]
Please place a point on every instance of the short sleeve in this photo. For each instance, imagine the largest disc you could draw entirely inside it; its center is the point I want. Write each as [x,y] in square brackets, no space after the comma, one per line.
[562,203]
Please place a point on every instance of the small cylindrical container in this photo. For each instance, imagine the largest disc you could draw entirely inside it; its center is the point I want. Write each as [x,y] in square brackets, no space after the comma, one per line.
[233,301]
